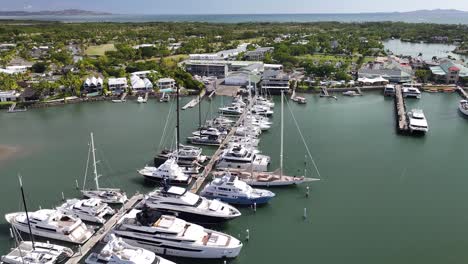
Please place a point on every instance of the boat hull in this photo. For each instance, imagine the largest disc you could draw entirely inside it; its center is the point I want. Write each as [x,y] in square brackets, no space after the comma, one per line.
[462,110]
[241,200]
[195,217]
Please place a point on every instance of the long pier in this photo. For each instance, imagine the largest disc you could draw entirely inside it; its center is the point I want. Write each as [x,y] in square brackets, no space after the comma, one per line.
[400,110]
[194,102]
[209,167]
[102,232]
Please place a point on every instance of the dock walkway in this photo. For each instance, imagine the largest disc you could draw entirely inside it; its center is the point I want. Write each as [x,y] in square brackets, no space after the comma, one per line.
[325,92]
[209,167]
[400,109]
[195,101]
[102,232]
[462,92]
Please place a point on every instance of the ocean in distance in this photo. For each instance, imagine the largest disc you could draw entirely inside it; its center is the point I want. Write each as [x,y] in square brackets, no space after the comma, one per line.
[458,18]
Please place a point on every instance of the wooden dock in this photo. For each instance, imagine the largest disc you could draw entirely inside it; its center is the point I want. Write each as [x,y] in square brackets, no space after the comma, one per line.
[209,167]
[195,101]
[325,92]
[146,96]
[102,232]
[400,110]
[358,89]
[124,95]
[462,92]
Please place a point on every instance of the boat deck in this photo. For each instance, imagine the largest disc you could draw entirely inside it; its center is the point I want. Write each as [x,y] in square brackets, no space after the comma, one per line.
[102,232]
[462,92]
[209,167]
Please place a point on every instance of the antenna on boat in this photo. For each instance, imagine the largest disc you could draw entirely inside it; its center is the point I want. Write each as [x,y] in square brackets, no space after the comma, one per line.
[26,211]
[96,176]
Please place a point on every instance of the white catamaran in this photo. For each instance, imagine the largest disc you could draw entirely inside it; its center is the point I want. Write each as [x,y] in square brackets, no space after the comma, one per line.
[107,195]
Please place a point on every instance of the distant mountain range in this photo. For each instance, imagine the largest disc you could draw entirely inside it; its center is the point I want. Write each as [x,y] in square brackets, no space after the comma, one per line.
[436,12]
[66,12]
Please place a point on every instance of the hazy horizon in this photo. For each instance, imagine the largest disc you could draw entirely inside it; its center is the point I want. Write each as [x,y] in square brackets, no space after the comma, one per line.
[247,7]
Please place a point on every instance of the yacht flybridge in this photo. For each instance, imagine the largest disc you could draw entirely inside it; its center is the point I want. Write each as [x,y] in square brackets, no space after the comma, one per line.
[51,224]
[107,195]
[231,190]
[240,157]
[189,206]
[90,210]
[29,252]
[116,251]
[417,121]
[168,235]
[169,170]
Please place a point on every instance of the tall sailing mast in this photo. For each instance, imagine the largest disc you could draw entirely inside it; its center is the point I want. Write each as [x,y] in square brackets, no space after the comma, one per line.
[178,129]
[282,136]
[26,211]
[96,176]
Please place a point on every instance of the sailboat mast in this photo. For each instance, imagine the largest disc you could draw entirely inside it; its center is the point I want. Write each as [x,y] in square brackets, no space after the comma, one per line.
[199,111]
[178,129]
[96,176]
[26,211]
[282,136]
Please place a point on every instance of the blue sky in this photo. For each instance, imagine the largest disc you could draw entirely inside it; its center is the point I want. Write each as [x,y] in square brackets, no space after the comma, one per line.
[229,6]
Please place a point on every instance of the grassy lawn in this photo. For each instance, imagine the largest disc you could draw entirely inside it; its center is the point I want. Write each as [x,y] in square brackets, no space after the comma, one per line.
[99,50]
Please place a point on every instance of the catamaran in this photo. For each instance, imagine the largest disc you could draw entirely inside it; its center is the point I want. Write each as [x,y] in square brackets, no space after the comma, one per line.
[107,195]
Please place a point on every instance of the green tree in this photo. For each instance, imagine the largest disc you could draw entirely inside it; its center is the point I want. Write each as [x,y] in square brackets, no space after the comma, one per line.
[39,67]
[423,75]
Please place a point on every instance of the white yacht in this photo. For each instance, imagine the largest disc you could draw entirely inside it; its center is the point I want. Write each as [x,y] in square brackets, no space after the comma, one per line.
[232,110]
[231,190]
[417,121]
[185,155]
[244,141]
[250,131]
[255,123]
[90,210]
[411,92]
[116,251]
[51,224]
[141,100]
[263,101]
[389,90]
[107,195]
[261,110]
[210,131]
[189,206]
[463,107]
[169,170]
[240,157]
[168,235]
[44,253]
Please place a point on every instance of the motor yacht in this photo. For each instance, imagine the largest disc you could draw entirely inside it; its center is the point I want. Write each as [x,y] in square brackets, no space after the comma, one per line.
[90,210]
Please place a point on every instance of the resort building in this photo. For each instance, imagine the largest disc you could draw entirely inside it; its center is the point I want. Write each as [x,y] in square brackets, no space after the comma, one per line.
[117,85]
[166,83]
[8,96]
[390,68]
[93,85]
[258,54]
[275,81]
[140,85]
[449,71]
[217,68]
[221,55]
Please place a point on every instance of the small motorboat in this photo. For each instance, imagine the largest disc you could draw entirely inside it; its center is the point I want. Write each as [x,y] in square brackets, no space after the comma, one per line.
[141,100]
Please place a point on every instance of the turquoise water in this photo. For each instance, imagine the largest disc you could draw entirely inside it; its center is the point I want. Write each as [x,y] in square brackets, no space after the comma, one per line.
[428,50]
[383,198]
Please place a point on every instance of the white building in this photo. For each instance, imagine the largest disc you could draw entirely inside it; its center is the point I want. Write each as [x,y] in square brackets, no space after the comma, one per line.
[93,84]
[117,85]
[140,85]
[166,83]
[144,46]
[143,74]
[15,69]
[8,96]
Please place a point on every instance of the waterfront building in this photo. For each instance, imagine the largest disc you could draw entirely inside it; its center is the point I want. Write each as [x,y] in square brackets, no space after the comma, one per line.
[141,85]
[449,71]
[93,84]
[391,68]
[166,83]
[275,81]
[8,96]
[217,68]
[117,85]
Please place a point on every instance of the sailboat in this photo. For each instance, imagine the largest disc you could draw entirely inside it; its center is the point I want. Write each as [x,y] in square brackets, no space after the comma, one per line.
[268,179]
[34,252]
[107,195]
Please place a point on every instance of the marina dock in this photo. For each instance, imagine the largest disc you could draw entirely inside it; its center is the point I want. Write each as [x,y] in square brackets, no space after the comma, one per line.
[462,92]
[400,110]
[325,92]
[195,188]
[123,96]
[102,232]
[194,102]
